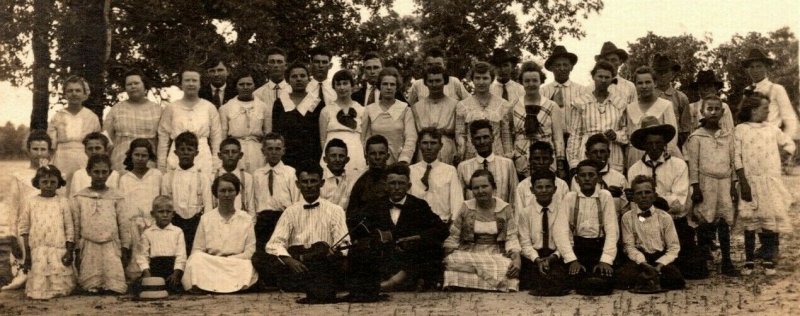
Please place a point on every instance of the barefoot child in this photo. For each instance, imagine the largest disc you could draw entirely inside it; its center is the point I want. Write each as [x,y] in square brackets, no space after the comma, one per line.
[46,227]
[765,200]
[139,185]
[162,249]
[709,153]
[101,232]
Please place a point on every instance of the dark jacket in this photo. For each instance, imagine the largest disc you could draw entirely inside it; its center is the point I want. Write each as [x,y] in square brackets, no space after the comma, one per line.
[416,218]
[358,96]
[207,93]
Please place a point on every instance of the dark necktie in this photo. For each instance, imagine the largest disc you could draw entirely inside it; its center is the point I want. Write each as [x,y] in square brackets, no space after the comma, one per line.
[277,91]
[426,176]
[321,96]
[269,180]
[653,164]
[558,97]
[485,164]
[217,98]
[545,228]
[505,92]
[310,206]
[370,96]
[397,206]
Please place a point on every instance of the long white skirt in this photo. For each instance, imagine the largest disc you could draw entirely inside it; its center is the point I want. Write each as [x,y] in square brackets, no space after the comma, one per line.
[218,274]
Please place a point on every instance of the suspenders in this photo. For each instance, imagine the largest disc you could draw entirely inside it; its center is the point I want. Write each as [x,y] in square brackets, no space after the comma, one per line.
[575,209]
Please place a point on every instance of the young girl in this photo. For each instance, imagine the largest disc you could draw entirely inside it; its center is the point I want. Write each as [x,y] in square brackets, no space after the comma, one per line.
[101,232]
[709,153]
[343,121]
[70,125]
[246,119]
[46,227]
[139,185]
[765,200]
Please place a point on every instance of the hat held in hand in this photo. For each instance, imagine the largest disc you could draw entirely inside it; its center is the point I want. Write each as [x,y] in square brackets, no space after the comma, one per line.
[648,282]
[651,126]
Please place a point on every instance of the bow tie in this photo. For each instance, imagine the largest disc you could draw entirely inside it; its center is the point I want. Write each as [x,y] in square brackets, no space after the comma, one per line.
[311,206]
[397,205]
[347,118]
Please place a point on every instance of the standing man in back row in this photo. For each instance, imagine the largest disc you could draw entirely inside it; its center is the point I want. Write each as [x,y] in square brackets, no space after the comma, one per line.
[370,89]
[503,86]
[453,87]
[562,91]
[624,88]
[276,85]
[218,90]
[319,84]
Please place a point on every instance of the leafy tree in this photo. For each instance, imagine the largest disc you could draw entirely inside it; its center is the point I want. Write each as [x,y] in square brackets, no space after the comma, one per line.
[688,51]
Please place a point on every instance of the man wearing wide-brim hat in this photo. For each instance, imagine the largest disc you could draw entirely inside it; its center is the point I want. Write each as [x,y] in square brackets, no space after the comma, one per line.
[562,91]
[757,64]
[665,71]
[505,64]
[706,84]
[617,56]
[671,176]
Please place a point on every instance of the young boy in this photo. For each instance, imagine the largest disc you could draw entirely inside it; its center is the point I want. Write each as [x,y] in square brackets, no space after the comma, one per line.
[650,241]
[542,270]
[275,190]
[94,143]
[594,231]
[541,158]
[598,148]
[230,152]
[188,186]
[338,183]
[162,248]
[40,148]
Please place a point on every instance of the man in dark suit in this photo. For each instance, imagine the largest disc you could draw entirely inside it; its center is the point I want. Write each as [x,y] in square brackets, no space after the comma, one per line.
[370,92]
[414,256]
[218,90]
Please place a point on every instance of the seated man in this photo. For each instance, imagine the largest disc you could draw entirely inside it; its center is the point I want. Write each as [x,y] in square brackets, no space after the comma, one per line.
[543,271]
[416,230]
[650,242]
[302,251]
[594,231]
[223,245]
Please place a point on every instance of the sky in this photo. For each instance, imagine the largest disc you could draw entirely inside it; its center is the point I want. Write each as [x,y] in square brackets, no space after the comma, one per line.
[620,21]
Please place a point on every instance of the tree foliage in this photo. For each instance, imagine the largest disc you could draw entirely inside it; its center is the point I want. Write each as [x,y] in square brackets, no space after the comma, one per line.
[691,53]
[12,141]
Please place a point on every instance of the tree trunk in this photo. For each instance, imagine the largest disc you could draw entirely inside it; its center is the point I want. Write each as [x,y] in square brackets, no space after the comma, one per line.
[95,50]
[42,12]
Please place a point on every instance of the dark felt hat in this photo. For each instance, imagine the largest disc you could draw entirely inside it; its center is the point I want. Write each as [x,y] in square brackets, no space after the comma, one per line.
[558,52]
[706,77]
[594,286]
[651,126]
[648,282]
[757,55]
[501,55]
[610,48]
[662,63]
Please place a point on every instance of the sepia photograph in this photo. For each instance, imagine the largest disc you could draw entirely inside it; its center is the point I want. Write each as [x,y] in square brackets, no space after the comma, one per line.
[399,157]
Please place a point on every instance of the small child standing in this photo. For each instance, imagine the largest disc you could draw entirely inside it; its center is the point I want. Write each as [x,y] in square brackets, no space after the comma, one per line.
[188,186]
[162,250]
[101,232]
[46,227]
[139,184]
[765,200]
[709,153]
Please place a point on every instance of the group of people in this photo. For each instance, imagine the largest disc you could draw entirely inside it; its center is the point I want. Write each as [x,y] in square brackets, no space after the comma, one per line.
[316,184]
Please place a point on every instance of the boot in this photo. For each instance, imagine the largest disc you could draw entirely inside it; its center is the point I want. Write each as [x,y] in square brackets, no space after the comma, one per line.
[724,233]
[705,237]
[749,252]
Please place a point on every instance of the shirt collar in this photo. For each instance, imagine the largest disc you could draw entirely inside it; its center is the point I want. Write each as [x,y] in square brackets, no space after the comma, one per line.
[538,208]
[327,174]
[660,159]
[275,168]
[594,195]
[168,227]
[401,202]
[480,159]
[221,89]
[395,111]
[499,204]
[763,82]
[566,84]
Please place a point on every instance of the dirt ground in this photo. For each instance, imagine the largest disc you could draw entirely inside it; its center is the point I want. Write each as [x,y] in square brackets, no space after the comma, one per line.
[718,295]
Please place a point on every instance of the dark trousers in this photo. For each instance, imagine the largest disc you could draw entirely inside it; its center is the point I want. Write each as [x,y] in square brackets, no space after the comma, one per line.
[706,233]
[589,251]
[189,227]
[6,245]
[161,267]
[769,245]
[421,262]
[320,282]
[264,227]
[690,260]
[630,272]
[554,282]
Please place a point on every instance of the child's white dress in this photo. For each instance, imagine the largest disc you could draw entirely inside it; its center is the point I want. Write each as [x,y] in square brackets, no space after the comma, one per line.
[757,150]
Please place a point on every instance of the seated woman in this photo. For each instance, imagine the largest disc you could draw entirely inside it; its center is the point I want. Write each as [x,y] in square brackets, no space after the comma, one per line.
[224,242]
[483,248]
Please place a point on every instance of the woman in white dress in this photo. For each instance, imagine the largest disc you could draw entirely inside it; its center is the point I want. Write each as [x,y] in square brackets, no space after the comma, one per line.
[189,114]
[247,119]
[342,119]
[70,125]
[648,104]
[392,118]
[224,243]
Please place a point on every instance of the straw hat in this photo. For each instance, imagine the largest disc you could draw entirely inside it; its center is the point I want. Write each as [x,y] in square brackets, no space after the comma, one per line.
[153,288]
